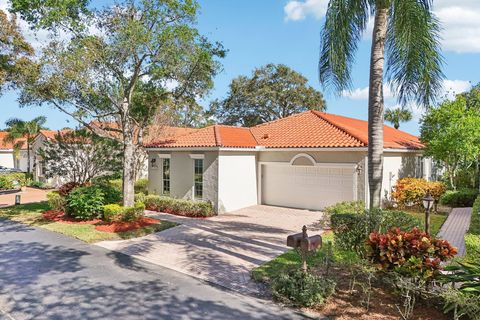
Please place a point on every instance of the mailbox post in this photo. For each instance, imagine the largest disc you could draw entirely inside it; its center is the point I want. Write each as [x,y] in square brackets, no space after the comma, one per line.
[304,245]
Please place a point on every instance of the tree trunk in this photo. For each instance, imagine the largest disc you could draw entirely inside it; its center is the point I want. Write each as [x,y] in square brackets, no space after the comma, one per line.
[375,108]
[128,160]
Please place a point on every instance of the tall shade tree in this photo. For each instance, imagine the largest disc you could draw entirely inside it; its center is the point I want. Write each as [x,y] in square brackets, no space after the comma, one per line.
[15,51]
[397,115]
[120,65]
[28,130]
[406,33]
[272,92]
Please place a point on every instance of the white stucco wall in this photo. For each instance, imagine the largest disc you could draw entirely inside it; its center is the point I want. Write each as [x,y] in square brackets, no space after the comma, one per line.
[6,158]
[397,166]
[237,181]
[181,175]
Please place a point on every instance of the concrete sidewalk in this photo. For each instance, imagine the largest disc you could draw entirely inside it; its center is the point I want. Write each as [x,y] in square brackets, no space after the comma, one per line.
[222,249]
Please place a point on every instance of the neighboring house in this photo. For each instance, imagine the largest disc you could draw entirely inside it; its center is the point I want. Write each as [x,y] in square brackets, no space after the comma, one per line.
[309,160]
[11,159]
[38,165]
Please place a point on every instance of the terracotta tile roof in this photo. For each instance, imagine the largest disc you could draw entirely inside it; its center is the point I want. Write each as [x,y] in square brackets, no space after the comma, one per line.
[310,129]
[211,136]
[9,145]
[303,130]
[50,134]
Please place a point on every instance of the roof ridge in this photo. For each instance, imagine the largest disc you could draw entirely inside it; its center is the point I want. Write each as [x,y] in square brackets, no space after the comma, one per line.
[280,119]
[216,135]
[342,128]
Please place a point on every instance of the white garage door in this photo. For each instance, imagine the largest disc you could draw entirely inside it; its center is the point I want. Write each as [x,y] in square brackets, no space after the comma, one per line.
[306,187]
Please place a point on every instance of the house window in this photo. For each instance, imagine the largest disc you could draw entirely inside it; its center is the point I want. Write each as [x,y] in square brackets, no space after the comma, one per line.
[419,167]
[198,178]
[166,176]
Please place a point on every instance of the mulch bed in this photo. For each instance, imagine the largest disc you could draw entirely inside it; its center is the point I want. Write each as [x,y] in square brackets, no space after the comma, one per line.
[112,227]
[59,216]
[345,305]
[123,226]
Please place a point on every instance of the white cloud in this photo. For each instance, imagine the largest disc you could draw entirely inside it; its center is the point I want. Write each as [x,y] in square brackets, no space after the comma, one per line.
[460,20]
[449,90]
[299,10]
[362,93]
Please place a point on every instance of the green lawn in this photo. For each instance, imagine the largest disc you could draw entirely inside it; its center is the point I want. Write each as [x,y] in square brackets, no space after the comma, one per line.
[436,220]
[32,214]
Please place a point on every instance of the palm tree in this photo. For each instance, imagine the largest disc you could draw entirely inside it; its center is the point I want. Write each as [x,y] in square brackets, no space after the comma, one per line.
[18,129]
[397,115]
[407,33]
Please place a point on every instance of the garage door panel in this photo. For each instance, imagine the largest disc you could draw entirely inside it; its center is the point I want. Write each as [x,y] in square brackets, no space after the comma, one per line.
[306,187]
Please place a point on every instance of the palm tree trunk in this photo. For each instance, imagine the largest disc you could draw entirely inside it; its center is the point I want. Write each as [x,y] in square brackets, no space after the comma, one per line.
[375,108]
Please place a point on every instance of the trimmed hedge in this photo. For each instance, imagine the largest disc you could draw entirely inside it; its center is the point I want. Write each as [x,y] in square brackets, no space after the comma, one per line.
[115,212]
[182,207]
[472,238]
[459,198]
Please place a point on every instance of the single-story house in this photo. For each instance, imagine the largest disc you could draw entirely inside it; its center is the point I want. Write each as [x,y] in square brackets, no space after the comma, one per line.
[309,160]
[11,159]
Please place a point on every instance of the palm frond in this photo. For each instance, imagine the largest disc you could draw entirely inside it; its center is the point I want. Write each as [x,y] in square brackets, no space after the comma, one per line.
[345,22]
[414,58]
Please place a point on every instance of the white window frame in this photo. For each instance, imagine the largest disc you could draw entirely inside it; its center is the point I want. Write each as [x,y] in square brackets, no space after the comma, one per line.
[198,157]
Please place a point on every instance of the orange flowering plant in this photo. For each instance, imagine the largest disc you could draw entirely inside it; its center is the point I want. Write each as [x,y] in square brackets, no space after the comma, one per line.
[413,253]
[410,191]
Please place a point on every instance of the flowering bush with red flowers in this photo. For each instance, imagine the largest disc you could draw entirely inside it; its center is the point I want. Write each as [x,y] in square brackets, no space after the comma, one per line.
[414,252]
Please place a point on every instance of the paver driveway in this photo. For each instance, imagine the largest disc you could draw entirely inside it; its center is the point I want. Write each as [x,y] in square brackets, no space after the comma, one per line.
[222,249]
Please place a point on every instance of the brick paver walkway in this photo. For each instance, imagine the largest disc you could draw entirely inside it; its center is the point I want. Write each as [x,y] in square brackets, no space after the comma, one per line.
[455,227]
[28,196]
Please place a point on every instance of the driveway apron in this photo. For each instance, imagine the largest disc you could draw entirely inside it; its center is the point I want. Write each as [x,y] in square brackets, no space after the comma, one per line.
[222,249]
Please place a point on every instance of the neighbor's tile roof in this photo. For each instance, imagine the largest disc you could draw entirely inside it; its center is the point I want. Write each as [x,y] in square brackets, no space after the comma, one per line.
[310,129]
[9,145]
[50,134]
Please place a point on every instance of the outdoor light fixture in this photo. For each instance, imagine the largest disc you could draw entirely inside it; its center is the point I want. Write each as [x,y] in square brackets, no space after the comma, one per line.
[427,204]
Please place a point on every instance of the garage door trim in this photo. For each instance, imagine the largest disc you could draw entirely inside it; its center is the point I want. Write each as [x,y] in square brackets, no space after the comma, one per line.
[316,164]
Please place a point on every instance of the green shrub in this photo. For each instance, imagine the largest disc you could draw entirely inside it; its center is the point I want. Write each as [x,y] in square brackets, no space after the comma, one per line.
[134,213]
[116,183]
[110,193]
[189,208]
[351,230]
[141,185]
[36,184]
[14,180]
[302,289]
[5,183]
[397,219]
[56,201]
[472,238]
[85,203]
[459,198]
[346,207]
[112,212]
[140,197]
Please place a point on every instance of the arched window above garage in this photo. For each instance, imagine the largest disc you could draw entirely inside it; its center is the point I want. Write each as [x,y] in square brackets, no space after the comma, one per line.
[302,159]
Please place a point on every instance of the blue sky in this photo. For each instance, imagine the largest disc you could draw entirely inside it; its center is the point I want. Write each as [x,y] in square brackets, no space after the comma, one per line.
[259,32]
